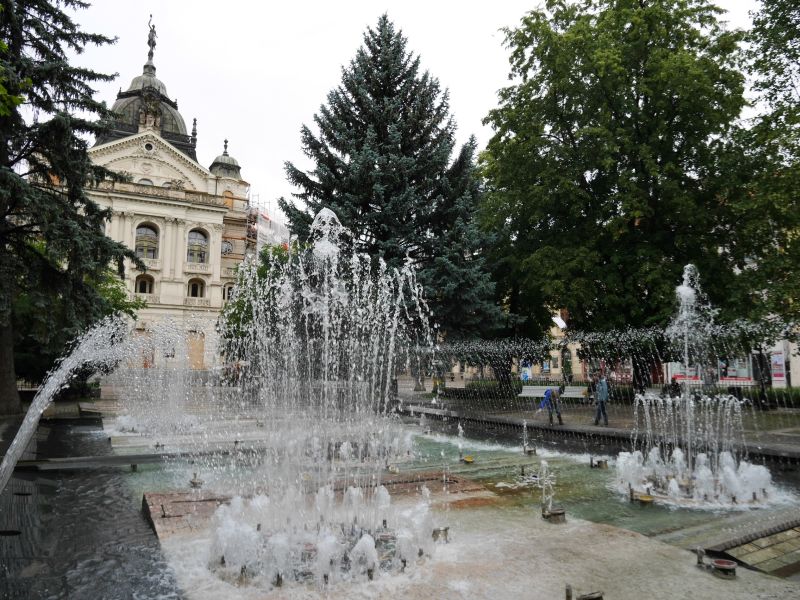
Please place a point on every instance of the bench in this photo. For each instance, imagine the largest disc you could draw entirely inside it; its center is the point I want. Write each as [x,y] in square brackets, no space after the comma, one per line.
[537,391]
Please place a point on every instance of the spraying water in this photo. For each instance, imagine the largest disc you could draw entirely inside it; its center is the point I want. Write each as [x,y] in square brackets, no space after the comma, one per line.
[101,346]
[693,444]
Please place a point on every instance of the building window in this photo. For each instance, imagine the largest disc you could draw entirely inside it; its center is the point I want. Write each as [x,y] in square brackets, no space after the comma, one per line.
[227,291]
[197,288]
[146,241]
[198,247]
[144,284]
[144,182]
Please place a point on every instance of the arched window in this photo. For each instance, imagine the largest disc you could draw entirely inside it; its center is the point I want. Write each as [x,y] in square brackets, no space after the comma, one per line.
[226,292]
[144,284]
[197,288]
[146,241]
[198,247]
[144,182]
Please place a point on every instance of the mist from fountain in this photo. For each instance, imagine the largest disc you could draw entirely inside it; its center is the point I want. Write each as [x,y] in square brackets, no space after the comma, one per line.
[301,427]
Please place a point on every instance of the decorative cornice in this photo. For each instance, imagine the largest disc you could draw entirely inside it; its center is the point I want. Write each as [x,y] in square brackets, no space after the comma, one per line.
[196,202]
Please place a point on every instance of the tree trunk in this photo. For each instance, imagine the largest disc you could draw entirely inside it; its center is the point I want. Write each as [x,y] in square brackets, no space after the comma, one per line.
[9,397]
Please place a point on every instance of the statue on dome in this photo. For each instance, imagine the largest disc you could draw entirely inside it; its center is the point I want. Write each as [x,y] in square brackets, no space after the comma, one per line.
[151,38]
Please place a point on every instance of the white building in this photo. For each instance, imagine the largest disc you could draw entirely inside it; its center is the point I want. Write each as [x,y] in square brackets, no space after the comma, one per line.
[187,222]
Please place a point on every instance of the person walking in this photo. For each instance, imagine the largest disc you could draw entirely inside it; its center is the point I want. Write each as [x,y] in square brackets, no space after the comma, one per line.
[600,399]
[551,403]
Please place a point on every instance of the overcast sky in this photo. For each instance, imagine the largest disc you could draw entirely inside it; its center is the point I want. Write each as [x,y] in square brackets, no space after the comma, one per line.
[254,72]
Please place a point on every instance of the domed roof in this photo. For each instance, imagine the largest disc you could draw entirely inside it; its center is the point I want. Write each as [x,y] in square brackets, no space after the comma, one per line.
[225,165]
[148,79]
[145,104]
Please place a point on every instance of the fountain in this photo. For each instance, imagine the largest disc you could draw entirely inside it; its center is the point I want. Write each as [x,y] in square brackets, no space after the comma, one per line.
[299,441]
[317,335]
[692,445]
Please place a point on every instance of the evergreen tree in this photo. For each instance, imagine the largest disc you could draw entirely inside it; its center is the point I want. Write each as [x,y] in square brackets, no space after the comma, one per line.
[55,256]
[605,172]
[383,165]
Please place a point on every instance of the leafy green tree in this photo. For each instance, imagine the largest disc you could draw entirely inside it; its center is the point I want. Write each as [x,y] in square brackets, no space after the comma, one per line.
[775,56]
[54,251]
[605,170]
[765,176]
[383,165]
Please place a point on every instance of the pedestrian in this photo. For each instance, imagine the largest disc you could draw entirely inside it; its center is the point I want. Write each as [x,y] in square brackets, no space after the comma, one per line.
[674,387]
[600,399]
[551,403]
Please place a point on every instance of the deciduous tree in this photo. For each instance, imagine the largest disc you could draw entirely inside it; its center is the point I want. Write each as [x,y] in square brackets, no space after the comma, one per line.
[605,169]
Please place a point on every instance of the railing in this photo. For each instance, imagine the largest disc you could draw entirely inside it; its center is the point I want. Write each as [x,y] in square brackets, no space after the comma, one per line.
[152,264]
[162,192]
[194,267]
[196,302]
[149,298]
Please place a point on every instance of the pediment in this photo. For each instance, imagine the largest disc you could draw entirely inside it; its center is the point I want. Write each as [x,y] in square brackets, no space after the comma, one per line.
[148,156]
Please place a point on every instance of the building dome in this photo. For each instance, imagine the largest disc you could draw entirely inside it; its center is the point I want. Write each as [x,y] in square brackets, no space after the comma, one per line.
[145,104]
[148,79]
[225,165]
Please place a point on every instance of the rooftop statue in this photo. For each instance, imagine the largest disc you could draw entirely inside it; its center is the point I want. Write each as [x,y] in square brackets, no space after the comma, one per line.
[151,38]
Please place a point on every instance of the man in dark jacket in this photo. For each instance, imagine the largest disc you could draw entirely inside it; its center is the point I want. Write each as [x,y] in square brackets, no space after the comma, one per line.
[600,399]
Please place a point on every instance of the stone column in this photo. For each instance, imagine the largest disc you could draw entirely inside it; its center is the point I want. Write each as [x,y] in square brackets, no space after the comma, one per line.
[167,252]
[114,233]
[215,251]
[128,234]
[179,256]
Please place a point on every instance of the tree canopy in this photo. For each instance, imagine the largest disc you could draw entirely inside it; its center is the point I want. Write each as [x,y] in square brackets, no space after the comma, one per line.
[383,162]
[55,254]
[605,172]
[767,167]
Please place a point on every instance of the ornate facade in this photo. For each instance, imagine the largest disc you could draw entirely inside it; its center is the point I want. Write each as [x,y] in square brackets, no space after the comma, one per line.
[188,223]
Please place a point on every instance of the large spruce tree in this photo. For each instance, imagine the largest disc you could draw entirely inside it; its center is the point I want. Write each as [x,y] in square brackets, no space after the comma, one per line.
[384,164]
[55,256]
[606,173]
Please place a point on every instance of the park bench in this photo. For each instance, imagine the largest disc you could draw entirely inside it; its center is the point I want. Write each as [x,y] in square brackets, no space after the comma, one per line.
[537,391]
